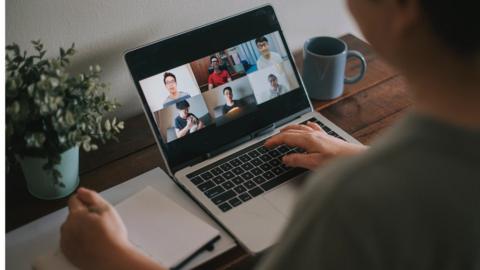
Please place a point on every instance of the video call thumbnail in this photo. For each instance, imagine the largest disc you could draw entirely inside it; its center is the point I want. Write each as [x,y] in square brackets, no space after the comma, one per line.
[220,87]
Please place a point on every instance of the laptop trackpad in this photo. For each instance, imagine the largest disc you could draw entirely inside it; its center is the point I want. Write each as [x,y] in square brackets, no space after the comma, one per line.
[284,197]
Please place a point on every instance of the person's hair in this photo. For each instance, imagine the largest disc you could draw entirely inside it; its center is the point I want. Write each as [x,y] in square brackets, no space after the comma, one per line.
[227,88]
[182,105]
[271,76]
[213,56]
[455,23]
[261,39]
[168,74]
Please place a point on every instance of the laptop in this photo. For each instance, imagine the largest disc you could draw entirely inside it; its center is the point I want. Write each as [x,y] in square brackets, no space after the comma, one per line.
[212,96]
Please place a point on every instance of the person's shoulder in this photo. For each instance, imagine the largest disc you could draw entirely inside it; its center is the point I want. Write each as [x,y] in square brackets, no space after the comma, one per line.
[378,175]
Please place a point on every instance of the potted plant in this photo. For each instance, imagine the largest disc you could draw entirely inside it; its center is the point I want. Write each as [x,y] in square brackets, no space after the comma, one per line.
[50,115]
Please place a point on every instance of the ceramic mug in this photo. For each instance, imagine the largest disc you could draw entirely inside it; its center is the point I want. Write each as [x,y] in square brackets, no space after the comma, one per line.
[324,61]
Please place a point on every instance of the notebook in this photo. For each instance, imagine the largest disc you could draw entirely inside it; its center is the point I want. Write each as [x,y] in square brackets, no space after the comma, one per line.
[158,227]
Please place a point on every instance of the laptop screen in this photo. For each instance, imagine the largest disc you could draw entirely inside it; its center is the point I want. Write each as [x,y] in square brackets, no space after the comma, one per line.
[232,79]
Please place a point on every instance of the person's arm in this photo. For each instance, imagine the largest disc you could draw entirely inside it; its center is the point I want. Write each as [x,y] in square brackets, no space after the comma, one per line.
[182,132]
[94,236]
[319,146]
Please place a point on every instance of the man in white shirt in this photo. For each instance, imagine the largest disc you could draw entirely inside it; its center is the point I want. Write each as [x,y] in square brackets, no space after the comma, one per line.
[267,58]
[276,88]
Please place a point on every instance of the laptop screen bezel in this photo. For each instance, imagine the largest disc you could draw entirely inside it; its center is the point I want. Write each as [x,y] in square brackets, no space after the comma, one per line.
[196,147]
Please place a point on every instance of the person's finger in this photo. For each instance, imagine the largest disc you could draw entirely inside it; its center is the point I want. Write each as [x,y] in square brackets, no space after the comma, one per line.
[314,126]
[307,161]
[74,204]
[91,198]
[290,139]
[296,127]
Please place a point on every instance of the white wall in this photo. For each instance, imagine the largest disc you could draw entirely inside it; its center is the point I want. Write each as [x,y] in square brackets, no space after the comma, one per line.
[103,29]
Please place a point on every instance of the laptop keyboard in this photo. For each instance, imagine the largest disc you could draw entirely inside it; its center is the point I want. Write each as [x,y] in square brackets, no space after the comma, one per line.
[248,173]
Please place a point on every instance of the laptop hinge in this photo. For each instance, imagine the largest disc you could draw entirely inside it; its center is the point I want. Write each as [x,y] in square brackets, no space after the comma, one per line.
[263,131]
[228,146]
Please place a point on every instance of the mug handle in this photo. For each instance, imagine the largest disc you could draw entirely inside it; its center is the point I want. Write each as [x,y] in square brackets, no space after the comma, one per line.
[363,67]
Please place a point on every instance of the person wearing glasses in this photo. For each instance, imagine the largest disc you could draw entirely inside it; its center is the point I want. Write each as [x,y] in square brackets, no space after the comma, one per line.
[218,76]
[174,95]
[267,57]
[276,89]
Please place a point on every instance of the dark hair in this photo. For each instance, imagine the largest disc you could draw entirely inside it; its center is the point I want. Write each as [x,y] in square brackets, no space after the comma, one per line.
[168,74]
[271,76]
[455,22]
[182,105]
[213,56]
[261,39]
[227,88]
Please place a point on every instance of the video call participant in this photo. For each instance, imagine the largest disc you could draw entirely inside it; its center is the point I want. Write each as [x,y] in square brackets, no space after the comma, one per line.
[186,122]
[174,95]
[276,88]
[230,103]
[267,57]
[218,76]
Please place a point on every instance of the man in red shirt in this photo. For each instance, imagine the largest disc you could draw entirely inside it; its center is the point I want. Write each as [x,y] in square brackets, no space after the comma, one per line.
[218,76]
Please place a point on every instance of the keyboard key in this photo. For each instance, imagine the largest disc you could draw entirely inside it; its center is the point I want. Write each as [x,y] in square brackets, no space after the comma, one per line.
[274,153]
[255,192]
[245,197]
[238,180]
[265,166]
[197,180]
[268,175]
[327,129]
[218,179]
[281,179]
[259,180]
[262,149]
[226,167]
[207,175]
[240,189]
[265,157]
[253,154]
[223,197]
[235,162]
[214,192]
[224,207]
[247,176]
[256,171]
[238,170]
[283,149]
[247,166]
[205,186]
[275,162]
[228,175]
[216,171]
[249,184]
[235,202]
[278,170]
[228,185]
[256,161]
[245,158]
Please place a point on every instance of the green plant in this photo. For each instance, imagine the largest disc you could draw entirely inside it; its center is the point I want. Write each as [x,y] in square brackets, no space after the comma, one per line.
[49,111]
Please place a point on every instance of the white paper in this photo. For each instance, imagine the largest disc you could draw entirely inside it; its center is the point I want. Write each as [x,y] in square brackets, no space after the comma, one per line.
[159,227]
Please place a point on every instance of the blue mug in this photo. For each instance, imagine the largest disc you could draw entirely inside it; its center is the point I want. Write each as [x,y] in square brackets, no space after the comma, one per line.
[324,61]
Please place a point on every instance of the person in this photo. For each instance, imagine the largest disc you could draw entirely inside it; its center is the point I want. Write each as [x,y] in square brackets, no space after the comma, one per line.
[267,57]
[410,201]
[218,76]
[276,89]
[186,122]
[230,103]
[174,95]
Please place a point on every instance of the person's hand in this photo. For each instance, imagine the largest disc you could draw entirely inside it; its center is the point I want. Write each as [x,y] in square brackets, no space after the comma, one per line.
[190,122]
[318,145]
[93,236]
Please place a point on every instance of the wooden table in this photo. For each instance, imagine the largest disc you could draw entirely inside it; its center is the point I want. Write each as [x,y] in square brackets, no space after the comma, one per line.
[365,110]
